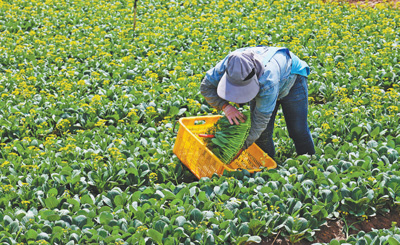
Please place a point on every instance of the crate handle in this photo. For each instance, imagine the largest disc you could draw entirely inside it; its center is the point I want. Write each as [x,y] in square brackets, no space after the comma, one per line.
[173,129]
[199,122]
[206,135]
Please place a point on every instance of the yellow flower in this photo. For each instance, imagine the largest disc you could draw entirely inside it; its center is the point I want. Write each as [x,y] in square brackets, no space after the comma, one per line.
[153,176]
[4,164]
[326,126]
[329,112]
[393,108]
[151,110]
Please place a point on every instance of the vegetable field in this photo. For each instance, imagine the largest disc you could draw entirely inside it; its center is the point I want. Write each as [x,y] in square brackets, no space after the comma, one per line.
[88,106]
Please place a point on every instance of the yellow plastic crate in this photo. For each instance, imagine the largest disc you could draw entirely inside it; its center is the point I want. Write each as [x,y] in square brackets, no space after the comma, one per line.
[192,151]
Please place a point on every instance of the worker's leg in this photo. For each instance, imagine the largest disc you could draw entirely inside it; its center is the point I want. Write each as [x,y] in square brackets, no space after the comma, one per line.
[295,109]
[265,141]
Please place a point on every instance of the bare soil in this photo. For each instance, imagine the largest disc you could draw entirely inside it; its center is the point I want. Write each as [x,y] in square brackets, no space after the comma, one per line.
[337,229]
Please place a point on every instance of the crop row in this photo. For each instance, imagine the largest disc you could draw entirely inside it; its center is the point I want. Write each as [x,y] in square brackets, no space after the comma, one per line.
[88,107]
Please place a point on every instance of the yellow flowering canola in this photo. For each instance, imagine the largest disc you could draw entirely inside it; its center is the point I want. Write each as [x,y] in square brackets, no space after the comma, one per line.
[82,92]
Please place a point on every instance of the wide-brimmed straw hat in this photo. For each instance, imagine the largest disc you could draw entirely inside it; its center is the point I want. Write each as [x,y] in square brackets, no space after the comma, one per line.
[239,84]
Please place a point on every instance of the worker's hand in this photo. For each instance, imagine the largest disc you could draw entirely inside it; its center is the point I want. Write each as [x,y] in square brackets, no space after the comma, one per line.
[233,115]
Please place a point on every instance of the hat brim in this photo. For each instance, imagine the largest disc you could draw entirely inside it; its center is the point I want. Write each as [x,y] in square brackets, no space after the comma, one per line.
[238,94]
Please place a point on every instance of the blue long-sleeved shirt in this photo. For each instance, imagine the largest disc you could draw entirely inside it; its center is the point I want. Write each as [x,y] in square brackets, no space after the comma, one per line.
[277,69]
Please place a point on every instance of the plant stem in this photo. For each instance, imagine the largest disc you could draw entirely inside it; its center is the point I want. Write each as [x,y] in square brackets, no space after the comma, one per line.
[276,237]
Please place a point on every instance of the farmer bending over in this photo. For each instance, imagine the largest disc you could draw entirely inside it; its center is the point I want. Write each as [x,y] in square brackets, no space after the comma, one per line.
[266,77]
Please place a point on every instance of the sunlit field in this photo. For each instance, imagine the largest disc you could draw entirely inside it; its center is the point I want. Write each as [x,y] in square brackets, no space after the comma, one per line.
[89,104]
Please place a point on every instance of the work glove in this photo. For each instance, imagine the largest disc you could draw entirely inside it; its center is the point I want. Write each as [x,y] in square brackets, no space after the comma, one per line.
[233,115]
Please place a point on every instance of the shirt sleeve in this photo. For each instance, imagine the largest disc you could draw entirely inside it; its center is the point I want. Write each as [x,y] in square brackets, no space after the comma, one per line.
[265,102]
[208,86]
[209,91]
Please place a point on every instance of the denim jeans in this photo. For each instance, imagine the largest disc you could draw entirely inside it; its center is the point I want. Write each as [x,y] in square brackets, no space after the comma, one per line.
[295,109]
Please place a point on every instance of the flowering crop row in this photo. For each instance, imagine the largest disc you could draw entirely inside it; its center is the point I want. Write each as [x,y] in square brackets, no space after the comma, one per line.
[88,106]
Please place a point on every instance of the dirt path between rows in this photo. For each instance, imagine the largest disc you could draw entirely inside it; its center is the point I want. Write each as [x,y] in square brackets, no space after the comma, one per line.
[342,228]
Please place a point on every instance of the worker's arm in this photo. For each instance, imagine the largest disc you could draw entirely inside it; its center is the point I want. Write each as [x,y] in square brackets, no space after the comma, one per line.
[265,102]
[209,91]
[260,116]
[208,86]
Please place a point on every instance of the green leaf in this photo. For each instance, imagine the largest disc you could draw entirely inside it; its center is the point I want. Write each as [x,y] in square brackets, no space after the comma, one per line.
[103,233]
[233,229]
[107,201]
[13,227]
[43,236]
[357,131]
[210,239]
[51,202]
[46,213]
[75,203]
[203,196]
[105,217]
[242,240]
[329,151]
[375,132]
[168,195]
[300,225]
[57,233]
[180,221]
[228,214]
[334,242]
[255,239]
[85,199]
[245,214]
[53,217]
[155,235]
[182,193]
[119,200]
[169,241]
[179,232]
[393,241]
[218,142]
[243,229]
[181,111]
[52,192]
[141,216]
[173,110]
[159,226]
[256,225]
[293,206]
[80,221]
[31,234]
[196,215]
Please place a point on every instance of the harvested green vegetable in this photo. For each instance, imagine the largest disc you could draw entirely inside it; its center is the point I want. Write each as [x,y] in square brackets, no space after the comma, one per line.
[229,139]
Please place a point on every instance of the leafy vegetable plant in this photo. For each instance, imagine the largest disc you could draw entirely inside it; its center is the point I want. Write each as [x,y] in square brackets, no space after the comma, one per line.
[88,102]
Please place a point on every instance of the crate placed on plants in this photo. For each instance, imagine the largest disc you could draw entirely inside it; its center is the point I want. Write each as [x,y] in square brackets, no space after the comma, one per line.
[192,150]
